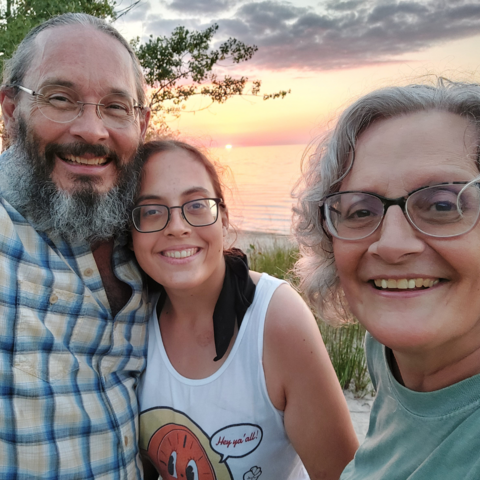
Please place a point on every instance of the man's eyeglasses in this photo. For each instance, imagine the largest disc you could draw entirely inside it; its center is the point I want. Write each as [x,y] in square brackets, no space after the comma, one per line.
[197,213]
[445,210]
[63,105]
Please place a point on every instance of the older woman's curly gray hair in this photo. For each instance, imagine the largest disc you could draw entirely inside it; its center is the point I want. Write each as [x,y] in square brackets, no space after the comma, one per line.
[332,160]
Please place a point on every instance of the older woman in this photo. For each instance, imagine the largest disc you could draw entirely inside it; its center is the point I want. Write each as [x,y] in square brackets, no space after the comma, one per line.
[388,222]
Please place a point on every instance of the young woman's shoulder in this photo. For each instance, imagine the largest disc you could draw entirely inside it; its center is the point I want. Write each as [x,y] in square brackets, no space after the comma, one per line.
[302,382]
[255,276]
[287,310]
[288,314]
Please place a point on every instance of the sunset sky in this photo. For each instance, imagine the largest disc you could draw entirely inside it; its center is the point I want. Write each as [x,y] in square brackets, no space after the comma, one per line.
[328,52]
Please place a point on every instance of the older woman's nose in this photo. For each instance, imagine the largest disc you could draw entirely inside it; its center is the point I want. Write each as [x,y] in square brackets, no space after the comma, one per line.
[398,238]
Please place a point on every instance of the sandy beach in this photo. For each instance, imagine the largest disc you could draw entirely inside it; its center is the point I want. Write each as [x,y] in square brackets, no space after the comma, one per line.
[359,407]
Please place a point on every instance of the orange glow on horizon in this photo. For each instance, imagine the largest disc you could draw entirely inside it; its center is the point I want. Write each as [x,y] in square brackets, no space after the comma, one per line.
[317,98]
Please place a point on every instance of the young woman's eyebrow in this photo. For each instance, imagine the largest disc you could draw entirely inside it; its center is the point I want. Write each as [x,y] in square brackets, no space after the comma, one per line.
[142,198]
[159,198]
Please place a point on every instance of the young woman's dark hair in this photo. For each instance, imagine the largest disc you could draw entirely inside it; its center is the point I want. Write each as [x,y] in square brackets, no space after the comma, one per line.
[157,146]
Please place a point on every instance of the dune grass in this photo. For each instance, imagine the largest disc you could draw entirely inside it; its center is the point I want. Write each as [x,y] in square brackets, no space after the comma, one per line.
[344,344]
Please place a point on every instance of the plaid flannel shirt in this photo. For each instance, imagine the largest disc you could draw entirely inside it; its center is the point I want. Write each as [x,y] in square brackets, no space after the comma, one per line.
[68,370]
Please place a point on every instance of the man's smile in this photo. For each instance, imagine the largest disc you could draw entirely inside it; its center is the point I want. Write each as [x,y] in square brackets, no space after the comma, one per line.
[84,161]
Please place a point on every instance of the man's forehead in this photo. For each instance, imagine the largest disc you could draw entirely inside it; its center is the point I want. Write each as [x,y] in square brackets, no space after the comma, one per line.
[83,56]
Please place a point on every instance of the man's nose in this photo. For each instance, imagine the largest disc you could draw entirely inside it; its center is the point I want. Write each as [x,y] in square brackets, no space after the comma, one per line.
[397,238]
[88,125]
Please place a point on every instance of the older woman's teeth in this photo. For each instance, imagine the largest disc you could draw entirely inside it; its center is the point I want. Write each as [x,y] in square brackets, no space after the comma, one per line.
[405,283]
[180,253]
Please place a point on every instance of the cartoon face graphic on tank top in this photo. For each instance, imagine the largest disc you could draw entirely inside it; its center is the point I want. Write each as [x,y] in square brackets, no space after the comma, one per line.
[178,454]
[178,448]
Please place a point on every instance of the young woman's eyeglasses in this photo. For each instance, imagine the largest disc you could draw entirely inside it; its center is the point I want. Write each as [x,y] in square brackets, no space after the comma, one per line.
[197,213]
[63,105]
[445,210]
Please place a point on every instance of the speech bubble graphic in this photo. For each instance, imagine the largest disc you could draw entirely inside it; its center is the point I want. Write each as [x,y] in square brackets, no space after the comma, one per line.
[236,440]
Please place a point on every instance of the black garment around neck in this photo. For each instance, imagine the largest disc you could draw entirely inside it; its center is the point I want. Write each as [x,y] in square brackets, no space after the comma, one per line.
[236,296]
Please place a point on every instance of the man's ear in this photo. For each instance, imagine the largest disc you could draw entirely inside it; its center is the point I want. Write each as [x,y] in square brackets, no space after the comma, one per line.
[8,104]
[145,118]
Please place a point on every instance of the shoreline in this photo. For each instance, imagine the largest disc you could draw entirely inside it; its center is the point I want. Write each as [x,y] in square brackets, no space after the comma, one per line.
[242,239]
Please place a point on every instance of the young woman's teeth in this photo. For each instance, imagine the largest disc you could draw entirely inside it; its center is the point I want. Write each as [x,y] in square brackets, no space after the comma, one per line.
[404,283]
[180,253]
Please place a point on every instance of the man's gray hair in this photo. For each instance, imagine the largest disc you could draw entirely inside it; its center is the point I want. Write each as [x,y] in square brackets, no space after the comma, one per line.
[332,160]
[16,67]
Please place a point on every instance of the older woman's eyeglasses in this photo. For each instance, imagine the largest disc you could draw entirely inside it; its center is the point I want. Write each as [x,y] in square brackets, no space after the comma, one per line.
[63,105]
[197,213]
[445,210]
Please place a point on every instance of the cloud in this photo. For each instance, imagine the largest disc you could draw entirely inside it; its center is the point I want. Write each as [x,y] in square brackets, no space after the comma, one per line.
[201,6]
[159,26]
[350,33]
[334,34]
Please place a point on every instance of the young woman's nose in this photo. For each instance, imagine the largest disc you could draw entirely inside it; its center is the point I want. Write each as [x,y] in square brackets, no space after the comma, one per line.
[177,224]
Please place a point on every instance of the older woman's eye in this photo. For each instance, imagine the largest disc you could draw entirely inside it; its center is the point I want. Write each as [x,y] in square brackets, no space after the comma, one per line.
[436,201]
[359,213]
[362,209]
[444,206]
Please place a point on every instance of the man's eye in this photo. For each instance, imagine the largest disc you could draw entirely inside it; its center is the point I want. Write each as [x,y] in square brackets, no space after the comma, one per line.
[116,105]
[117,108]
[59,100]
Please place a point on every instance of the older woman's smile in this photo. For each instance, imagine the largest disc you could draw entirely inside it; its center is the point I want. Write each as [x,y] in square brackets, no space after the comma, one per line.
[405,283]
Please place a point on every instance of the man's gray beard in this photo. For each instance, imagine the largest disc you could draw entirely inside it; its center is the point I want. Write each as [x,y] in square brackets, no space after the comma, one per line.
[83,215]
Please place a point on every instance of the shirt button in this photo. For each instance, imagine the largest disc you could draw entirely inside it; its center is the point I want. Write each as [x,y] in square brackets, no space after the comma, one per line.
[125,440]
[88,272]
[53,298]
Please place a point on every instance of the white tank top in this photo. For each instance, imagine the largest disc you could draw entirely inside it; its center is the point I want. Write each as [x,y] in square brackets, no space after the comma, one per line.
[221,427]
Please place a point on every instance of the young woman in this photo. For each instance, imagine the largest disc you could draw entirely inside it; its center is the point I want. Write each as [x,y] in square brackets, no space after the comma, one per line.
[397,183]
[238,383]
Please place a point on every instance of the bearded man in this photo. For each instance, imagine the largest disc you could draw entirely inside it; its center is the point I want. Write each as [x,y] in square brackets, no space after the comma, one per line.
[72,313]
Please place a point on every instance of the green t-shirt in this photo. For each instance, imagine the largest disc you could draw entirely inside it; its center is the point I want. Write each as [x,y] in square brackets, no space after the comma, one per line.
[418,435]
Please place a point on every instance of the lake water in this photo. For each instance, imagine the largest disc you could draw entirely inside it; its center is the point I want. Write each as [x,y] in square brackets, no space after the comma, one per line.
[261,180]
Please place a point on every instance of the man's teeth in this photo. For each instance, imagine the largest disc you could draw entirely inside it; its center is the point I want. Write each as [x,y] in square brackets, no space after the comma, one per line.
[86,161]
[404,283]
[180,253]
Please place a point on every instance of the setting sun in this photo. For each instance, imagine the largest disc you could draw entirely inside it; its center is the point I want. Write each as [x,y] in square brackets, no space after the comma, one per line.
[228,147]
